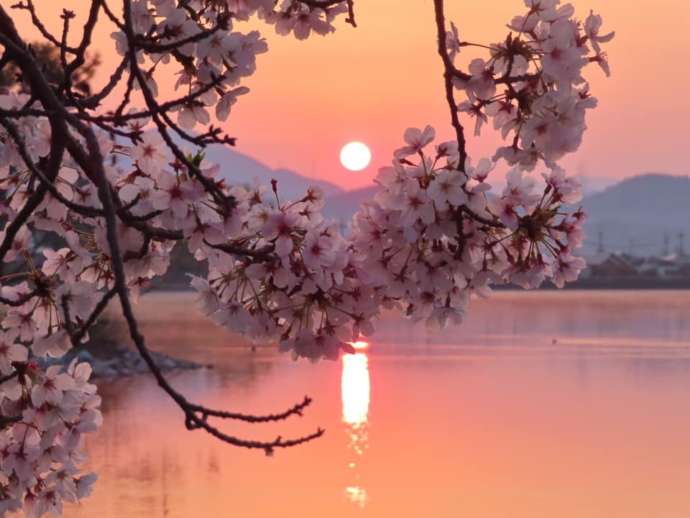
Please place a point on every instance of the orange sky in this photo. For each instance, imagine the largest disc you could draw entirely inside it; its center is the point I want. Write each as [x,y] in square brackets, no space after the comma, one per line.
[311,97]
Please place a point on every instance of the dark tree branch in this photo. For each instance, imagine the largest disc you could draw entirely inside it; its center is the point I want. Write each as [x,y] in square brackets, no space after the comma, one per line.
[79,334]
[31,8]
[485,221]
[23,152]
[263,254]
[87,155]
[295,410]
[448,73]
[8,377]
[20,301]
[94,101]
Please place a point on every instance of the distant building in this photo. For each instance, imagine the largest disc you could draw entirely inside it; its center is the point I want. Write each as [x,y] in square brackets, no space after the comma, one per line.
[618,266]
[615,265]
[663,267]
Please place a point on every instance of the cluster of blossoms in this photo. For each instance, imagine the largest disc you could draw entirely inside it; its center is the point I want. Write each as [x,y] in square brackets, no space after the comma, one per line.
[532,86]
[303,17]
[93,202]
[45,409]
[40,452]
[434,235]
[56,260]
[212,57]
[307,292]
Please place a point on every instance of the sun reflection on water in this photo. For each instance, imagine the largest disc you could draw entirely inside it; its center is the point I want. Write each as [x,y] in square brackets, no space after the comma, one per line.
[360,345]
[355,389]
[356,393]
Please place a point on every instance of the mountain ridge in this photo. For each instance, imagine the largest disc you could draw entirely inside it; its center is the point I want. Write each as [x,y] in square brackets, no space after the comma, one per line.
[237,167]
[643,214]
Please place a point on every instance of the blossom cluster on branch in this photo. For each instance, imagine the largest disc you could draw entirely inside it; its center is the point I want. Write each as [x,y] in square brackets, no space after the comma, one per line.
[532,85]
[97,188]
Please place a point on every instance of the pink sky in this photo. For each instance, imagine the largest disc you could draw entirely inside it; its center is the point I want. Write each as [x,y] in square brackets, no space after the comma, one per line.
[311,97]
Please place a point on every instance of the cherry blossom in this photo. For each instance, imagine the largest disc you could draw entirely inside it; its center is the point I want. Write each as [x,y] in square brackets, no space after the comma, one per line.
[544,103]
[115,189]
[415,139]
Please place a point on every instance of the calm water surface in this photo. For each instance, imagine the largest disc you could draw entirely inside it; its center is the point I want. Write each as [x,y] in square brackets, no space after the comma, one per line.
[545,404]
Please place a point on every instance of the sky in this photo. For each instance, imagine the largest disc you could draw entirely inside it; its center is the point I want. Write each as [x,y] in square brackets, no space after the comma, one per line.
[370,83]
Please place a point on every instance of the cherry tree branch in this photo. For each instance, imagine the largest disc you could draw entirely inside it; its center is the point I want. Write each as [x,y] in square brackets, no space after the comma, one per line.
[78,335]
[31,8]
[448,72]
[23,152]
[90,160]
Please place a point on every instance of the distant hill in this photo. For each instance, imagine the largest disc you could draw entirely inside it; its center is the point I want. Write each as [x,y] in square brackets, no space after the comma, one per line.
[637,213]
[633,215]
[344,205]
[239,168]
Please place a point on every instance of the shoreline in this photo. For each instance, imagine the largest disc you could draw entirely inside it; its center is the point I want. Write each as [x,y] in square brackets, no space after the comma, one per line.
[636,284]
[125,362]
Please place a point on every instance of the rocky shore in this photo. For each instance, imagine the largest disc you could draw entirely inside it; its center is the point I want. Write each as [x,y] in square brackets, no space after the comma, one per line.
[127,362]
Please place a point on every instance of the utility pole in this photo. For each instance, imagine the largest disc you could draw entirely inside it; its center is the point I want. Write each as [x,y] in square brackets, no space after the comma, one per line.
[600,242]
[681,244]
[666,250]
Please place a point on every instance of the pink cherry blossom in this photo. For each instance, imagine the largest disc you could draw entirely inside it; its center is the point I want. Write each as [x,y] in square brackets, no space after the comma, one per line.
[416,140]
[133,181]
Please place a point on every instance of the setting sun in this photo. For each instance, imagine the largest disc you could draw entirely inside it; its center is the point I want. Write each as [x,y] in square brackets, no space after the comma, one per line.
[355,156]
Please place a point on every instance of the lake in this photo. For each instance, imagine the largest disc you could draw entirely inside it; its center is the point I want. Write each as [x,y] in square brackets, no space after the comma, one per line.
[543,404]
